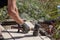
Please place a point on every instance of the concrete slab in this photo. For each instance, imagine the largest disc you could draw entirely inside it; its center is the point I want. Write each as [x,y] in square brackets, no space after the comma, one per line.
[1,28]
[21,36]
[6,36]
[28,36]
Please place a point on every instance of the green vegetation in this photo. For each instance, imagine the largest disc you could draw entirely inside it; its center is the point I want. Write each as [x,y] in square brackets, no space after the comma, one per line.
[39,9]
[3,13]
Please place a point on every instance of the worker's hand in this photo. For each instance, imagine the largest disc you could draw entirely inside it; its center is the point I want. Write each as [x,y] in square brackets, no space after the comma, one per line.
[21,21]
[27,26]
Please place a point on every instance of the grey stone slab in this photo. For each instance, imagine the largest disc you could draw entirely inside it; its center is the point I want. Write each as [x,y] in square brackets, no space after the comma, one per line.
[6,36]
[28,36]
[21,36]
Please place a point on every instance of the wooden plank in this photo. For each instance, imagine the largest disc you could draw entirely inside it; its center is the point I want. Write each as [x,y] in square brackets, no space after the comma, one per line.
[8,23]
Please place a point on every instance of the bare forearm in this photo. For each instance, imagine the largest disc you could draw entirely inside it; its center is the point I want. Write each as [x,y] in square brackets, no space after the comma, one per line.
[16,17]
[13,11]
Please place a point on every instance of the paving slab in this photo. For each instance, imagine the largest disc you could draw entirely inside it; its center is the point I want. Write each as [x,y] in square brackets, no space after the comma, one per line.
[28,36]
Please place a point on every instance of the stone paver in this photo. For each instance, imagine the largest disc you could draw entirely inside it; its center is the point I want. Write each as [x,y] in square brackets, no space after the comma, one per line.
[21,36]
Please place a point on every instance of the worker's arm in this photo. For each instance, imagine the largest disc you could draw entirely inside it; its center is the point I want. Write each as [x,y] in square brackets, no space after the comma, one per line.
[13,11]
